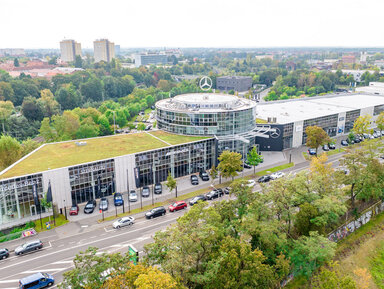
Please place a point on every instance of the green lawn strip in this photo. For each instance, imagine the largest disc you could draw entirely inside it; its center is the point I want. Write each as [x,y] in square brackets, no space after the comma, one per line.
[377,266]
[60,220]
[274,169]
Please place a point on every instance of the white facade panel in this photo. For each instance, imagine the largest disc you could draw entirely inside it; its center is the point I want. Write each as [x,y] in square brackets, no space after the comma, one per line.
[122,165]
[297,136]
[60,185]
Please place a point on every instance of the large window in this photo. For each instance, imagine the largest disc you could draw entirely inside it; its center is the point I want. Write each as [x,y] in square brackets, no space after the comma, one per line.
[92,181]
[16,197]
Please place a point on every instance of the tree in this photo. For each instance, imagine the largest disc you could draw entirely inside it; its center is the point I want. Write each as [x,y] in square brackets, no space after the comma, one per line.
[91,270]
[253,158]
[6,91]
[16,62]
[310,252]
[10,151]
[28,146]
[316,137]
[66,125]
[92,89]
[331,277]
[140,126]
[48,103]
[78,61]
[362,124]
[380,122]
[104,126]
[303,224]
[6,109]
[68,97]
[229,164]
[46,131]
[213,172]
[31,109]
[171,182]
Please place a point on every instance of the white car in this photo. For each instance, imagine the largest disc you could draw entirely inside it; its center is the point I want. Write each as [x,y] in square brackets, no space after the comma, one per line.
[132,197]
[251,183]
[125,221]
[277,175]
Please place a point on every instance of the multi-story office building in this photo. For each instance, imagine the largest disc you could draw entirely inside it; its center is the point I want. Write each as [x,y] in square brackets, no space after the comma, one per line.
[69,49]
[150,58]
[235,83]
[104,50]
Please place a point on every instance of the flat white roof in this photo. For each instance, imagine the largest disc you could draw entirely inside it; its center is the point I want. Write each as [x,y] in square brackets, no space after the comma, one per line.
[308,108]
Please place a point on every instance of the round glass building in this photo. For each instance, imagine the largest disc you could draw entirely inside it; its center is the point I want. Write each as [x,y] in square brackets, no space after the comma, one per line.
[225,116]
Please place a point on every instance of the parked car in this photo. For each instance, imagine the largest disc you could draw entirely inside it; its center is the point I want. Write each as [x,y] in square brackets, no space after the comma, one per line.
[194,180]
[344,143]
[155,212]
[36,281]
[132,196]
[74,210]
[277,175]
[214,194]
[251,183]
[246,166]
[125,221]
[103,205]
[118,199]
[145,192]
[204,176]
[325,148]
[90,207]
[331,146]
[227,190]
[197,199]
[4,253]
[29,247]
[158,188]
[312,152]
[356,139]
[177,206]
[264,179]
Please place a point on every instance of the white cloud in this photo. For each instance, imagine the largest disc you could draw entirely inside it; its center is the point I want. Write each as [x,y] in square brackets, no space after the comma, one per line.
[194,23]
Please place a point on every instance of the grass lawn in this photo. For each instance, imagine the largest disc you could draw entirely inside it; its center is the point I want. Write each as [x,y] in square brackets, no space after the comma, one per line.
[274,169]
[60,220]
[57,155]
[175,139]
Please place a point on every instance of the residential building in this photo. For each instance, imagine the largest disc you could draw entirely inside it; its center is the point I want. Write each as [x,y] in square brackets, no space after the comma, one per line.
[348,59]
[12,52]
[235,83]
[104,50]
[69,49]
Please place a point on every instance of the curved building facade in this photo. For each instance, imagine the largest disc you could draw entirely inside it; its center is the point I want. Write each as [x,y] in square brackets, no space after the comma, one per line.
[227,117]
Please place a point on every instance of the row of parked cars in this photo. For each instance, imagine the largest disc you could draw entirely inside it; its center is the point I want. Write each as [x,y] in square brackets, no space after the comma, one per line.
[273,176]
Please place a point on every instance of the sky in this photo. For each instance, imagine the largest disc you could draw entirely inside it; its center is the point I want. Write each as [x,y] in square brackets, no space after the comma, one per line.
[192,23]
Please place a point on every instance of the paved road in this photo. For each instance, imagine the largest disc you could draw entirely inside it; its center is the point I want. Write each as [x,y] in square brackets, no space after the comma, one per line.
[62,244]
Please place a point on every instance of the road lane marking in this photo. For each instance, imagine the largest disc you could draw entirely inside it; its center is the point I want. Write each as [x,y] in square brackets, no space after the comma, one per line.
[9,281]
[46,270]
[63,262]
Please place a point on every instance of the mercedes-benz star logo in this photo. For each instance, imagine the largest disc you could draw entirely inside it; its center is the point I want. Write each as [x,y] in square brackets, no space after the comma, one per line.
[275,132]
[205,83]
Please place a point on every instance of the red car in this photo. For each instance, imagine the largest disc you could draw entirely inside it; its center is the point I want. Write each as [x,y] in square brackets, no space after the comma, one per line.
[74,210]
[177,206]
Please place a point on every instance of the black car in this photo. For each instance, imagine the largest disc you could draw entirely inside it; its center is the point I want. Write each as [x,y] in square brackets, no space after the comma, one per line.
[311,152]
[344,143]
[214,194]
[103,205]
[194,180]
[204,176]
[145,192]
[90,207]
[357,140]
[331,146]
[325,148]
[246,166]
[158,188]
[4,253]
[197,199]
[155,212]
[264,179]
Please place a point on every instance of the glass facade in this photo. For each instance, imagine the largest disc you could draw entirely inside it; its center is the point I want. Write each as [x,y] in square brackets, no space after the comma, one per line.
[378,109]
[328,123]
[91,181]
[350,118]
[16,197]
[181,160]
[219,123]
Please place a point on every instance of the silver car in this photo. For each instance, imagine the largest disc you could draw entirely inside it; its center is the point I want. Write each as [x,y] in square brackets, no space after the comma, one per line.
[132,197]
[125,221]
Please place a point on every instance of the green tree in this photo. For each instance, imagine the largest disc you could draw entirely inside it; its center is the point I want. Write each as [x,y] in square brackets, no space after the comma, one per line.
[104,126]
[310,252]
[380,121]
[78,61]
[229,164]
[6,109]
[316,137]
[140,126]
[48,103]
[253,158]
[31,109]
[46,131]
[28,146]
[16,62]
[68,97]
[330,277]
[303,224]
[171,182]
[362,124]
[213,172]
[10,151]
[6,91]
[66,125]
[92,89]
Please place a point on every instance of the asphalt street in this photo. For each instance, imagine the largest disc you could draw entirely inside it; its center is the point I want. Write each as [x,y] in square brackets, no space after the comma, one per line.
[61,246]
